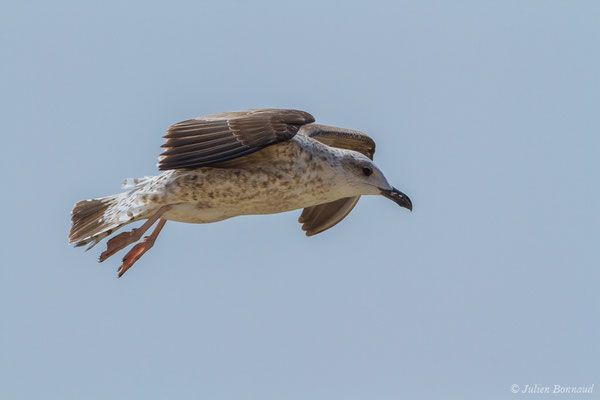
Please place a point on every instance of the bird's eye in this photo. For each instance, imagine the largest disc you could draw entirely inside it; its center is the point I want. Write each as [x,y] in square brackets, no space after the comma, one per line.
[367,171]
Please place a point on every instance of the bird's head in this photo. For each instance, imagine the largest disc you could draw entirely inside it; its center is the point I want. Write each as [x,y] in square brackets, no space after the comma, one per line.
[365,178]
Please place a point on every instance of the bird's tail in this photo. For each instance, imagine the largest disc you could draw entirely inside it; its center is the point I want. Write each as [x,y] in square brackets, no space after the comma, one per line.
[93,220]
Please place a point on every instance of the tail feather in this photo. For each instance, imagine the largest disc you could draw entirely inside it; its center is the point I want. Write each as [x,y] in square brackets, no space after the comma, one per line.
[92,220]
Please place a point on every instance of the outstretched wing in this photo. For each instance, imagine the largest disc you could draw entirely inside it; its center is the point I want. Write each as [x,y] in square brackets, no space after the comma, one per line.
[319,218]
[220,137]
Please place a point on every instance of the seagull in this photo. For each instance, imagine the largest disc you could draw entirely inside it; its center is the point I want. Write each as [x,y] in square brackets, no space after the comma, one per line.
[251,162]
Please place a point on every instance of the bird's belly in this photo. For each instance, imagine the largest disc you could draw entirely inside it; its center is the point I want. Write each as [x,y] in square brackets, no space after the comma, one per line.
[206,210]
[191,213]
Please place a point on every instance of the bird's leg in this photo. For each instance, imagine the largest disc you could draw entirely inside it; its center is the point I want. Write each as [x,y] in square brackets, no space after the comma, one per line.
[124,239]
[139,249]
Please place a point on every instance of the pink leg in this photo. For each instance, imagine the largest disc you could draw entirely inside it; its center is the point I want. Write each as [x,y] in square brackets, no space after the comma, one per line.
[124,239]
[139,249]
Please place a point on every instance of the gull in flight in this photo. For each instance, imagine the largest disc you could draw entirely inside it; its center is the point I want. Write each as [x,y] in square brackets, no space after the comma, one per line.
[239,163]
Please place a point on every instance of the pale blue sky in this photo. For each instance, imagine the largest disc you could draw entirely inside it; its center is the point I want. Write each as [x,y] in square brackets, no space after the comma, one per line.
[485,113]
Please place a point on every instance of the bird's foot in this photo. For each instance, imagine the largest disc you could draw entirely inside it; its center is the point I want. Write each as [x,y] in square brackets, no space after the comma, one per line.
[124,239]
[134,254]
[139,249]
[119,242]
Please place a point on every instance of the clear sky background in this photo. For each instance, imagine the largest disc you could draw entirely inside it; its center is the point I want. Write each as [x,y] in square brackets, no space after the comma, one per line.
[485,113]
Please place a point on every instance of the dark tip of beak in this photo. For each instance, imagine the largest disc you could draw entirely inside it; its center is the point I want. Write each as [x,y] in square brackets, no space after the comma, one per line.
[398,197]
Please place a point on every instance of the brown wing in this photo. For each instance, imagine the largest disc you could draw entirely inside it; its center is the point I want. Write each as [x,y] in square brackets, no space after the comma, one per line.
[341,138]
[220,137]
[319,218]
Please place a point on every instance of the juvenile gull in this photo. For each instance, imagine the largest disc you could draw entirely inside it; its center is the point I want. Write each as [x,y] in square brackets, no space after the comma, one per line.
[239,163]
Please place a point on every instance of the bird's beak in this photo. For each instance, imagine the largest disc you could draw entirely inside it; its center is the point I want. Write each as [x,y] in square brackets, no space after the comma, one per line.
[397,197]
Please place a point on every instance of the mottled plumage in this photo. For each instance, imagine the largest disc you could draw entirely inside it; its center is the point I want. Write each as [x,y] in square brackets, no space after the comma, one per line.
[241,163]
